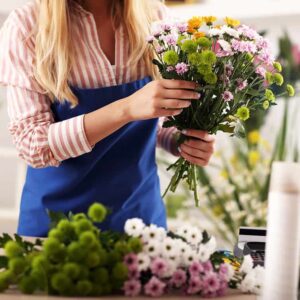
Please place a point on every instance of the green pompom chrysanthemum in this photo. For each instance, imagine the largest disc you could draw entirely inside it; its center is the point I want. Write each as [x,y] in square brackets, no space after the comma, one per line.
[204,42]
[266,104]
[243,113]
[170,57]
[290,90]
[269,95]
[210,78]
[97,212]
[278,79]
[277,66]
[189,46]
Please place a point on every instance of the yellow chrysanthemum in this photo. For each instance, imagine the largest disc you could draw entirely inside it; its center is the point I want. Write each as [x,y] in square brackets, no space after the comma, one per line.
[195,22]
[234,160]
[254,137]
[253,158]
[199,34]
[218,26]
[191,30]
[209,19]
[232,22]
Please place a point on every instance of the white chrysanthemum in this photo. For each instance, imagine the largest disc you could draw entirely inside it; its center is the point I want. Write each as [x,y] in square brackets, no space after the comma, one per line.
[247,264]
[183,247]
[194,236]
[214,32]
[189,256]
[169,247]
[259,273]
[184,230]
[230,31]
[225,45]
[230,272]
[143,261]
[153,248]
[204,253]
[134,227]
[153,232]
[171,268]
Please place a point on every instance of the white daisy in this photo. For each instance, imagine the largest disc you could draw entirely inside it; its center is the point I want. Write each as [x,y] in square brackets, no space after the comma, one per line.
[230,31]
[169,247]
[134,227]
[215,32]
[194,236]
[189,256]
[143,261]
[212,244]
[225,45]
[153,248]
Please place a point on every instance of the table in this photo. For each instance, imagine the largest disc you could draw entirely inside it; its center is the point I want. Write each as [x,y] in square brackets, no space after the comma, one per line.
[232,295]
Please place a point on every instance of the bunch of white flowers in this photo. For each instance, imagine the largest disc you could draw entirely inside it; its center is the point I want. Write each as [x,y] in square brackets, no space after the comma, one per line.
[180,251]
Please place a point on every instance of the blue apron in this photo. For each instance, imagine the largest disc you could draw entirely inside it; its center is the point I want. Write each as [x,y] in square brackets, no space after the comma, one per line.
[120,172]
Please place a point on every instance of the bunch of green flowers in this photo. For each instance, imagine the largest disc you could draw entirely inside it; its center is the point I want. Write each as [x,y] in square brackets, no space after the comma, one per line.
[77,259]
[234,69]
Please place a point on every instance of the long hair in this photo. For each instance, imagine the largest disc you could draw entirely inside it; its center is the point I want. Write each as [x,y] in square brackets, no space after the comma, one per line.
[53,40]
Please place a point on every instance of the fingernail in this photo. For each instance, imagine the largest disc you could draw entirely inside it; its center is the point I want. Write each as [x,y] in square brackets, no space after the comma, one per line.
[179,150]
[184,131]
[199,95]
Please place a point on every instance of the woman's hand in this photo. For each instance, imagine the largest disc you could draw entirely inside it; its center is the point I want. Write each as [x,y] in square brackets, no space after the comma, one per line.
[198,147]
[161,98]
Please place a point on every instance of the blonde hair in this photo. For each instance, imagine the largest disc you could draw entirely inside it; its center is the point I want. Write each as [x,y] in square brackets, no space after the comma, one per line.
[53,41]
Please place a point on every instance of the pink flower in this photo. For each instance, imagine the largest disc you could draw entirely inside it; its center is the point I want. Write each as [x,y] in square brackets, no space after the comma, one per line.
[150,39]
[223,288]
[134,273]
[296,54]
[266,57]
[225,79]
[178,278]
[181,68]
[228,69]
[182,27]
[131,261]
[243,46]
[166,27]
[195,268]
[211,282]
[159,266]
[195,285]
[223,270]
[241,84]
[154,287]
[132,287]
[170,39]
[170,69]
[207,266]
[159,49]
[261,71]
[248,32]
[227,96]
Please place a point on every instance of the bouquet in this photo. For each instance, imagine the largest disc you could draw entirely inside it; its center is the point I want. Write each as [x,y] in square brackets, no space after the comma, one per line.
[184,261]
[233,67]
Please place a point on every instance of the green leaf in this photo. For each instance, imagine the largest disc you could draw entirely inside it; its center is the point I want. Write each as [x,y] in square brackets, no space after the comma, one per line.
[159,65]
[226,128]
[55,217]
[3,262]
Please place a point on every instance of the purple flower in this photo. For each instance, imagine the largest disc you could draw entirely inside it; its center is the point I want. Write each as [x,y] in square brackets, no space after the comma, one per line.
[207,266]
[160,49]
[248,32]
[211,282]
[178,278]
[228,69]
[223,288]
[170,69]
[132,287]
[182,27]
[150,39]
[181,68]
[195,268]
[227,96]
[195,285]
[131,261]
[159,266]
[170,39]
[243,46]
[261,71]
[266,57]
[225,79]
[154,287]
[166,27]
[241,84]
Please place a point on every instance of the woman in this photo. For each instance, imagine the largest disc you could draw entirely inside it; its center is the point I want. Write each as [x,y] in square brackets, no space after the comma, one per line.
[84,110]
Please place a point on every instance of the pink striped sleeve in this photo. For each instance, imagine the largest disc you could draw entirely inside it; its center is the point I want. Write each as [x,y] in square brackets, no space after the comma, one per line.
[166,139]
[40,141]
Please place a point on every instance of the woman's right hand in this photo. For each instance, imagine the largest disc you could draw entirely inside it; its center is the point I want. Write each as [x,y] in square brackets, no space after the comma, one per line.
[161,98]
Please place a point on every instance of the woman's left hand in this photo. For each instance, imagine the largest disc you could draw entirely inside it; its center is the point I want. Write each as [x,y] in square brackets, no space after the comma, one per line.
[198,147]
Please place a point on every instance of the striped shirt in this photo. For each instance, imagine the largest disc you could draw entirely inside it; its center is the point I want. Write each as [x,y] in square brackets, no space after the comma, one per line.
[41,141]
